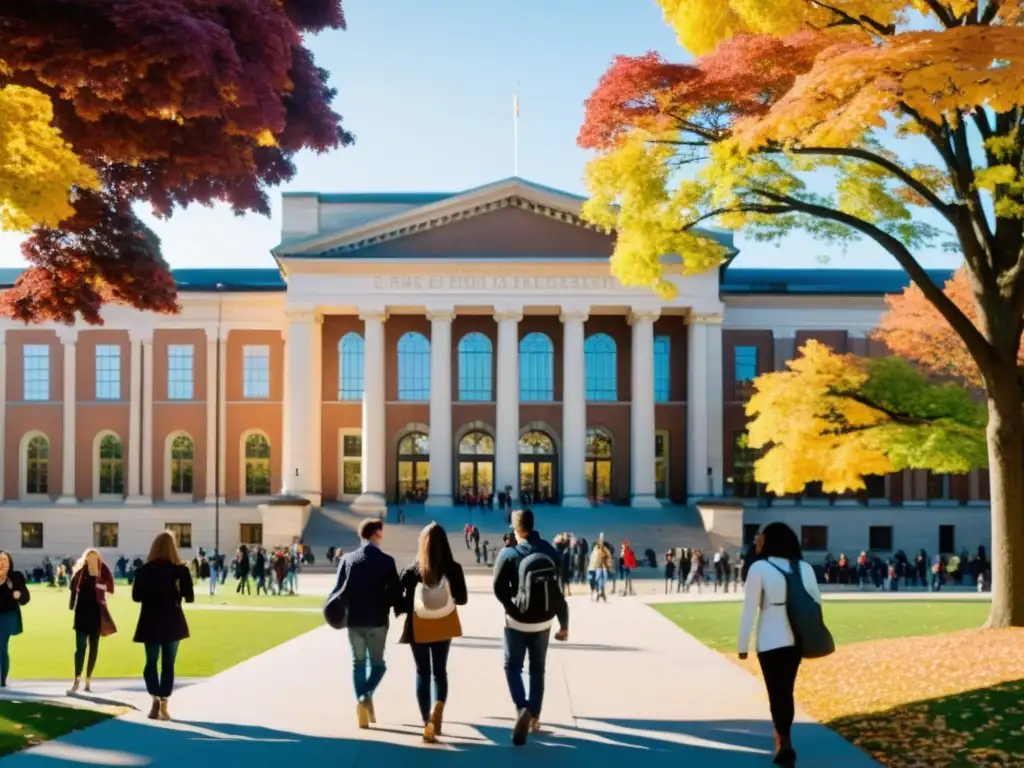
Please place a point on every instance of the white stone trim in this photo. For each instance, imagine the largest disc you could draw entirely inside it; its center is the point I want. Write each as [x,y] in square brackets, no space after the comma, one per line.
[343,460]
[168,442]
[96,441]
[23,467]
[252,498]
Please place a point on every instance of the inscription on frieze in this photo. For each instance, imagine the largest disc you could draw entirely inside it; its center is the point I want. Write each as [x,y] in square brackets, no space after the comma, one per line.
[487,284]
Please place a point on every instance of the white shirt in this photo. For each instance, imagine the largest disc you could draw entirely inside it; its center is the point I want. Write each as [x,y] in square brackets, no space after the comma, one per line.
[765,590]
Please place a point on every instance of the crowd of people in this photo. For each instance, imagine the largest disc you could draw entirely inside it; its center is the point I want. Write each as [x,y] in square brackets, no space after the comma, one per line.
[900,571]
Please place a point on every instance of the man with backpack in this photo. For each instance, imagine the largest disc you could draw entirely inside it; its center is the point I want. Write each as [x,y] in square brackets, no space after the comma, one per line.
[526,583]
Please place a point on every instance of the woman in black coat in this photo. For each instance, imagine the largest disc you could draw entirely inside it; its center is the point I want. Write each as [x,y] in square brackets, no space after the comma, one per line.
[91,583]
[13,595]
[160,585]
[434,573]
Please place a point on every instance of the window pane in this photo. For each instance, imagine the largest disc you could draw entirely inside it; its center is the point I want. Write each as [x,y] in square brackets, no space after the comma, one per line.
[413,367]
[108,372]
[536,443]
[182,459]
[37,466]
[257,465]
[182,533]
[742,481]
[536,368]
[352,479]
[477,443]
[746,364]
[251,533]
[111,466]
[104,534]
[814,538]
[414,444]
[350,367]
[36,359]
[599,443]
[662,369]
[475,367]
[599,356]
[256,371]
[179,371]
[31,535]
[880,538]
[352,446]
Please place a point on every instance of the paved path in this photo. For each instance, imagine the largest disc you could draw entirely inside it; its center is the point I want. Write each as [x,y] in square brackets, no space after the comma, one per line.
[627,682]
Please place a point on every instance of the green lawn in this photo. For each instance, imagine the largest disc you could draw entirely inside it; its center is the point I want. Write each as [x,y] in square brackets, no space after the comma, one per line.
[851,621]
[220,638]
[24,724]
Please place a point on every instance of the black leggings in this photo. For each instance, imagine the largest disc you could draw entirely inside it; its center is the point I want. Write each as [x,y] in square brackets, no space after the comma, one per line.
[779,667]
[94,649]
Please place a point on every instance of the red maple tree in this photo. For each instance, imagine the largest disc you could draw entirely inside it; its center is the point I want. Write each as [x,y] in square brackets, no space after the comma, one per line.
[172,102]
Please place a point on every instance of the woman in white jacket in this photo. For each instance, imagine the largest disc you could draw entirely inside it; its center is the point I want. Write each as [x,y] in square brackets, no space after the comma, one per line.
[778,549]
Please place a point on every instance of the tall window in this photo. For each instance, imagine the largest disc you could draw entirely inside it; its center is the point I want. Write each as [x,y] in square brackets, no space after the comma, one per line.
[745,364]
[180,371]
[413,367]
[536,368]
[36,358]
[475,367]
[599,355]
[742,480]
[182,464]
[257,465]
[350,367]
[256,371]
[662,369]
[351,463]
[104,535]
[661,464]
[108,372]
[37,466]
[111,466]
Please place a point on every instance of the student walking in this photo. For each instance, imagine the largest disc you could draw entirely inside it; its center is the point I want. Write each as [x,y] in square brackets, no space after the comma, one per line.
[259,570]
[369,579]
[214,572]
[628,558]
[526,584]
[91,583]
[766,595]
[431,588]
[13,594]
[242,571]
[160,586]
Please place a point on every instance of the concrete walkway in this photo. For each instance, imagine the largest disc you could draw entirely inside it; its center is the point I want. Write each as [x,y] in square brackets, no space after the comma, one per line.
[628,681]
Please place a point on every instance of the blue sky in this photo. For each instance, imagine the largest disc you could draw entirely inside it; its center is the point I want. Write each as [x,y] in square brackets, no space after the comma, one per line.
[427,89]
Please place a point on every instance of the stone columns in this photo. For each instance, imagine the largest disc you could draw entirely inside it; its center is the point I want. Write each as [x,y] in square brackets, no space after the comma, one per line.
[68,337]
[372,500]
[134,462]
[302,405]
[574,410]
[440,407]
[222,395]
[216,390]
[704,407]
[642,410]
[506,421]
[147,417]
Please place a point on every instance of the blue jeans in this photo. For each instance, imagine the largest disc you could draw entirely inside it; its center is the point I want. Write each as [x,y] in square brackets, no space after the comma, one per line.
[367,659]
[214,573]
[161,684]
[517,645]
[431,661]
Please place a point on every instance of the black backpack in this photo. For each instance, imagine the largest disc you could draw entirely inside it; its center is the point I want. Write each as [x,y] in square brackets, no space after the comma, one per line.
[539,591]
[813,639]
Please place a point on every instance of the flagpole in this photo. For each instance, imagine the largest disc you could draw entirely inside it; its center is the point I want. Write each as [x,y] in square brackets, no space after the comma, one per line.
[515,132]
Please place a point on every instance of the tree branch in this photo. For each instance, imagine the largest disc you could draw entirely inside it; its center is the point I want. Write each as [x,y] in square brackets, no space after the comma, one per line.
[942,13]
[861,21]
[749,208]
[896,416]
[991,11]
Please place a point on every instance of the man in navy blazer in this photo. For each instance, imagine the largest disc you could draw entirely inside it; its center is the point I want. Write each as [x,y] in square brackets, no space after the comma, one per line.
[370,582]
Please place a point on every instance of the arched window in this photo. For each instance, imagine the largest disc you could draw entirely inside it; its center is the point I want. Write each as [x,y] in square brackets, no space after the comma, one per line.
[111,466]
[350,367]
[599,355]
[599,464]
[476,467]
[182,465]
[414,444]
[413,367]
[477,443]
[475,367]
[257,465]
[37,466]
[536,368]
[599,443]
[536,443]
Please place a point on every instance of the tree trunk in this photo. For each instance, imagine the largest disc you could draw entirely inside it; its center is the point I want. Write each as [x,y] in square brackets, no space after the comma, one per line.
[1006,468]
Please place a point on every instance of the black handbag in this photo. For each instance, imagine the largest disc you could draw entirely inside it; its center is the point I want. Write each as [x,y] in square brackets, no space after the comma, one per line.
[336,610]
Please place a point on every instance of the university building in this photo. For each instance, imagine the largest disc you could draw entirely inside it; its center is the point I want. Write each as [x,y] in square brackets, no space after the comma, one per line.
[434,347]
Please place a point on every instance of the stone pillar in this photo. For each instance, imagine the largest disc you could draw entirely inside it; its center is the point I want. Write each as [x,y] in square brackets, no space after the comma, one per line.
[506,421]
[372,500]
[147,417]
[135,438]
[211,416]
[704,407]
[440,407]
[302,405]
[642,410]
[574,410]
[68,337]
[222,395]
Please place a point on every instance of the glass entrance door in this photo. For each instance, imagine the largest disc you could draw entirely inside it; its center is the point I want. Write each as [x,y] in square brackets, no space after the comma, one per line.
[413,480]
[599,479]
[537,481]
[476,478]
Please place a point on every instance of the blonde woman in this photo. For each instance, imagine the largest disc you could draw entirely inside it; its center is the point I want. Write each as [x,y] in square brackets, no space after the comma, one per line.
[160,586]
[13,595]
[91,582]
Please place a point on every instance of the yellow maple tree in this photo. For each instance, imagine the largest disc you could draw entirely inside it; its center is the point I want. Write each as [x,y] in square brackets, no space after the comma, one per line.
[38,169]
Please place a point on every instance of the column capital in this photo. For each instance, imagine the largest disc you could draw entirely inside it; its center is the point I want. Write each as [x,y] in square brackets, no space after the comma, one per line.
[650,315]
[373,313]
[442,314]
[504,313]
[573,315]
[68,335]
[300,315]
[705,318]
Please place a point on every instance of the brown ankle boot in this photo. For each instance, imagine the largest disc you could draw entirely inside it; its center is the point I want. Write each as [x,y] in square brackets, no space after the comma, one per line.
[436,716]
[154,710]
[164,714]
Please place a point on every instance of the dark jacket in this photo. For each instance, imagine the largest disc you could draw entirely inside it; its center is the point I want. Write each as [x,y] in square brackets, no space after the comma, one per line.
[407,593]
[506,576]
[15,583]
[161,586]
[86,599]
[370,580]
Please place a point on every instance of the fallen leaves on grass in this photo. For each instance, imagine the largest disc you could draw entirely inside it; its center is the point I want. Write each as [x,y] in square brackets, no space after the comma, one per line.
[923,701]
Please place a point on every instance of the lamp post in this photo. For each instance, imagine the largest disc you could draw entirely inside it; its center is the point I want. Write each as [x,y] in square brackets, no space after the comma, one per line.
[216,428]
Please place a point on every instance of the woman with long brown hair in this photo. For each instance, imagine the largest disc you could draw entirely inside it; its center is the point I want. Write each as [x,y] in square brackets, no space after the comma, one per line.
[431,588]
[91,582]
[160,585]
[13,595]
